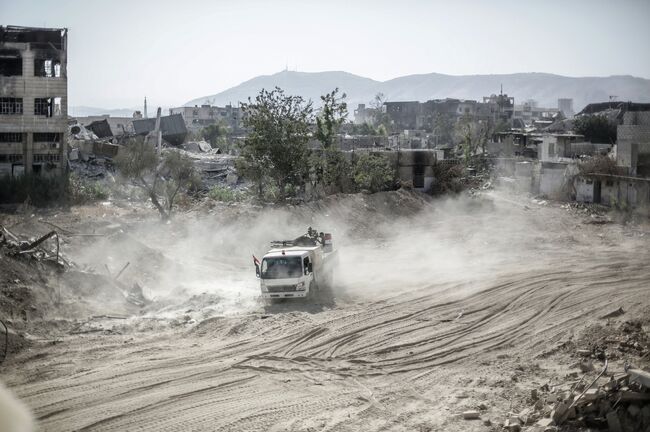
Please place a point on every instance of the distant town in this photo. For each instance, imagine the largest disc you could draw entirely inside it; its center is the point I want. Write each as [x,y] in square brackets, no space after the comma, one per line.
[540,148]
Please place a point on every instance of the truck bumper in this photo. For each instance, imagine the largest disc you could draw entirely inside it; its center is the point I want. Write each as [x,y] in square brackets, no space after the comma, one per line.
[292,294]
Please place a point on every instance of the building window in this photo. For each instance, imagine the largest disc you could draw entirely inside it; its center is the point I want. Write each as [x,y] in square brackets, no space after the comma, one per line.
[50,68]
[11,158]
[42,158]
[47,139]
[11,106]
[11,137]
[11,64]
[48,107]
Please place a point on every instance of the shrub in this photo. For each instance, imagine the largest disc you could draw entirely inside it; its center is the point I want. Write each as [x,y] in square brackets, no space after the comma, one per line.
[39,190]
[82,191]
[373,172]
[446,178]
[224,194]
[600,165]
[595,128]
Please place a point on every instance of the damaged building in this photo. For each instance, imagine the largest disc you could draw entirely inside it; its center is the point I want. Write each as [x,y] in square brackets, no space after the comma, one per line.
[33,100]
[198,117]
[117,125]
[172,127]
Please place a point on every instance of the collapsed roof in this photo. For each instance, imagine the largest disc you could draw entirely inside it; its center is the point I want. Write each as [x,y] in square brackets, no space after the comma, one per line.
[172,127]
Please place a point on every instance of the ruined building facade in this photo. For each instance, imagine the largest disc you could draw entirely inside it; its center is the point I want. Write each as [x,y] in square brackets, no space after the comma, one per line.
[198,117]
[33,100]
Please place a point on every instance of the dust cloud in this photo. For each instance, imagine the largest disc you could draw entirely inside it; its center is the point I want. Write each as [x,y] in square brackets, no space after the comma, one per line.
[389,244]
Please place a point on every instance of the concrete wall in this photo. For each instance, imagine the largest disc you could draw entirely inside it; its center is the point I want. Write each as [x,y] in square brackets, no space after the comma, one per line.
[615,191]
[554,180]
[584,190]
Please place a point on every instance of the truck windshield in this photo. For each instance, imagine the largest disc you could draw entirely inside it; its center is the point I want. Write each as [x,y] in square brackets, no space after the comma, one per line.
[281,267]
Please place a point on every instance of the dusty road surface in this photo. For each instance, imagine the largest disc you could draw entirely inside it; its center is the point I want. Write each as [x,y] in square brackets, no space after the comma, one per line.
[440,307]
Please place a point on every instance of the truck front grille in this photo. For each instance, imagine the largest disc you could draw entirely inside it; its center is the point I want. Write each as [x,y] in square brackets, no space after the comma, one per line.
[281,288]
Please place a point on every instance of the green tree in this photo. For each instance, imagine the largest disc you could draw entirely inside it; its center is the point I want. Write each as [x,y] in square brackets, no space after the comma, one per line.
[472,135]
[363,129]
[215,134]
[162,178]
[373,172]
[330,167]
[332,114]
[381,118]
[595,128]
[276,146]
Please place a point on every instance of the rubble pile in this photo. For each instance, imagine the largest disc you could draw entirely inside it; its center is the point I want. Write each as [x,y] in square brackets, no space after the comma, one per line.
[216,169]
[33,249]
[92,167]
[596,397]
[623,341]
[618,402]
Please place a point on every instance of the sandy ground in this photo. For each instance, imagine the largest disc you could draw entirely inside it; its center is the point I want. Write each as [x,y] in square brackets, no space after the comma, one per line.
[440,307]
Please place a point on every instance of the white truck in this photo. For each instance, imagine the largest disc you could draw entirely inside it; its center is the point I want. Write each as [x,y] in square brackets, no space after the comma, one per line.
[297,268]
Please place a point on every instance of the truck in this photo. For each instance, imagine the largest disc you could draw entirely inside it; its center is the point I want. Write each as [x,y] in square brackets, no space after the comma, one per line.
[297,268]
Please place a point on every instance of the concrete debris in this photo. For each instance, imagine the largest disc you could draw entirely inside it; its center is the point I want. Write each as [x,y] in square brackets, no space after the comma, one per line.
[620,404]
[626,340]
[215,169]
[471,415]
[80,132]
[199,147]
[133,294]
[640,376]
[33,248]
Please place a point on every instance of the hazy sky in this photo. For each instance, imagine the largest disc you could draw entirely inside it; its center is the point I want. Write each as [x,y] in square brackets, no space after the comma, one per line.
[173,51]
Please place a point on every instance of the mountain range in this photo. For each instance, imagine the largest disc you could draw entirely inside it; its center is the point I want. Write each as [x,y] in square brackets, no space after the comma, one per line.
[544,88]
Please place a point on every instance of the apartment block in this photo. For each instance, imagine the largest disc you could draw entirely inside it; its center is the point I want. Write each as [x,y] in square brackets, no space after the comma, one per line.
[33,100]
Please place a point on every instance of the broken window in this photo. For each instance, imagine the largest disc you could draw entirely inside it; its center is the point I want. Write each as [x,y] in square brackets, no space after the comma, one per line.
[47,139]
[11,106]
[11,137]
[48,67]
[11,64]
[57,106]
[11,158]
[48,107]
[43,158]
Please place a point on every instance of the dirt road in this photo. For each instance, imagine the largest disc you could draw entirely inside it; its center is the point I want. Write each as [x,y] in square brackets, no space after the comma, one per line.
[458,308]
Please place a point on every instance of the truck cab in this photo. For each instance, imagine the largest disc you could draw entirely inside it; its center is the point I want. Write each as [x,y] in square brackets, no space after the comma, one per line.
[286,273]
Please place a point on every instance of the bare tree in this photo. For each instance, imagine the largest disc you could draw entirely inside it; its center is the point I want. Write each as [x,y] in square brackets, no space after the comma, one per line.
[161,177]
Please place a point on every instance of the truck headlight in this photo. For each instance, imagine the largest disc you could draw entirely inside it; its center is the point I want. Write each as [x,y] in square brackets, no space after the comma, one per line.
[300,286]
[264,289]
